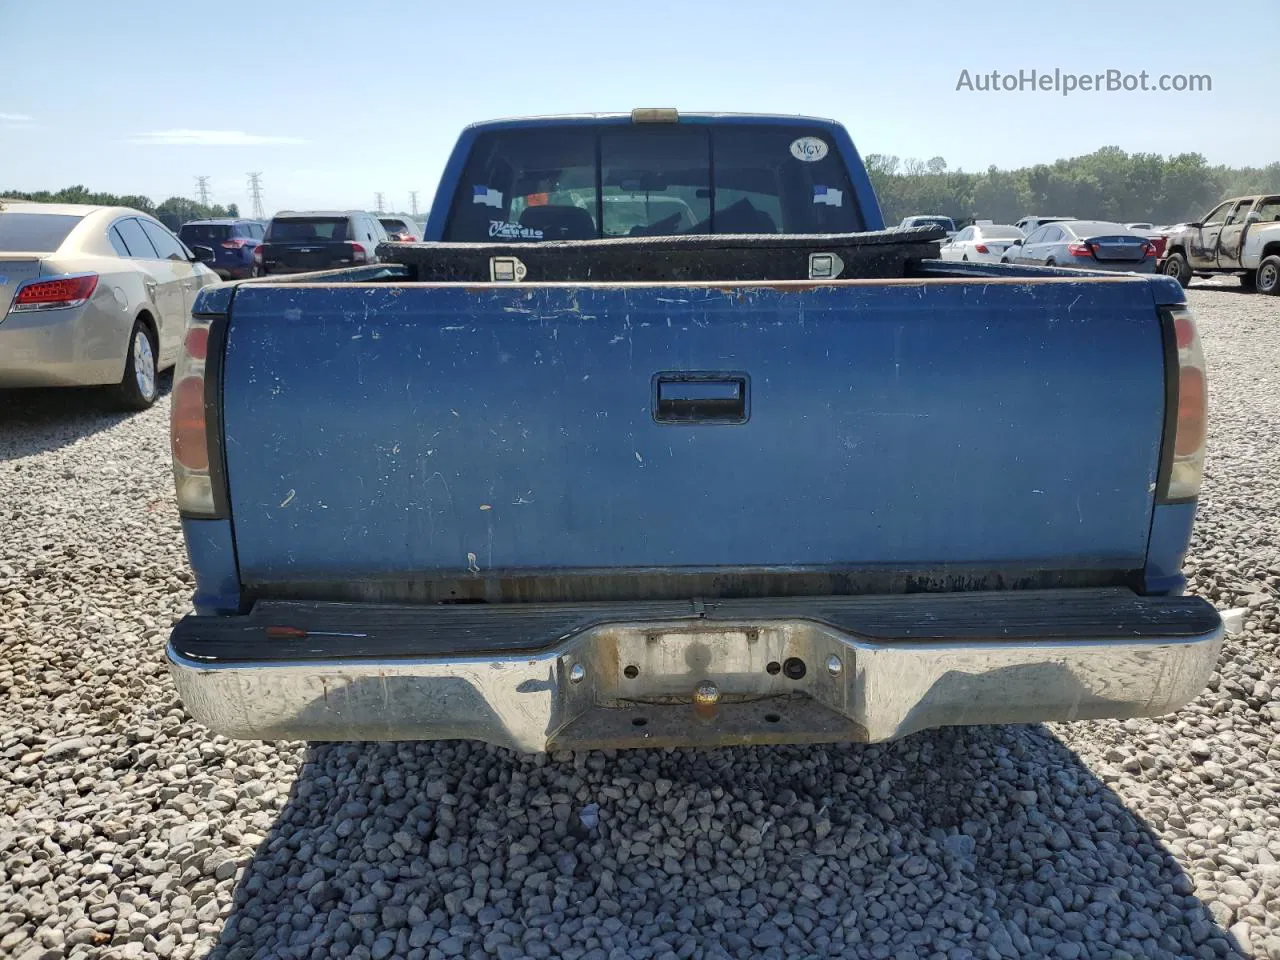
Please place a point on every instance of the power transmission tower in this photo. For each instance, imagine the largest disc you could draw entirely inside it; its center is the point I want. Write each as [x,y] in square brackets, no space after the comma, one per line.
[255,194]
[413,202]
[202,190]
[378,197]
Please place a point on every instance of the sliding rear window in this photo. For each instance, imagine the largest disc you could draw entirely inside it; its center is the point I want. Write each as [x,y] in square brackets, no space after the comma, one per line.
[618,181]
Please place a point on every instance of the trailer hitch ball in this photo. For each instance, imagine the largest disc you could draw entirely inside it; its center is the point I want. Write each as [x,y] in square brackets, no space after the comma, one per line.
[706,700]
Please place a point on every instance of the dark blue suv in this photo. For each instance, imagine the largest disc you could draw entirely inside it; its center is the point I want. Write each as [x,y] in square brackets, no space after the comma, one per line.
[232,242]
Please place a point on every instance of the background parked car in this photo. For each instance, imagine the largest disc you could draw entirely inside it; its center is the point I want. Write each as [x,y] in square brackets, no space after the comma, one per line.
[928,220]
[400,229]
[1027,224]
[302,241]
[92,295]
[232,242]
[983,242]
[1093,244]
[1155,234]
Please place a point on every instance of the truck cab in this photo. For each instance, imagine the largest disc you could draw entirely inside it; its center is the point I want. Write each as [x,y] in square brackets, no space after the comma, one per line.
[1239,236]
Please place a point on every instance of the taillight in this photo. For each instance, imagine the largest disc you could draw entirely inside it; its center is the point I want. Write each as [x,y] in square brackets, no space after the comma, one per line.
[188,428]
[1079,249]
[257,253]
[410,238]
[56,294]
[1191,425]
[1148,249]
[233,244]
[1158,245]
[358,254]
[981,248]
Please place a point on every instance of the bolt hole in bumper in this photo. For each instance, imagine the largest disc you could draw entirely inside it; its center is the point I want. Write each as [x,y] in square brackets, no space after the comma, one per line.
[537,677]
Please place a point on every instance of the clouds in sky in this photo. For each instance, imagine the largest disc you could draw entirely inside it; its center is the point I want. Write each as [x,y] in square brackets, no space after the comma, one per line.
[209,138]
[15,118]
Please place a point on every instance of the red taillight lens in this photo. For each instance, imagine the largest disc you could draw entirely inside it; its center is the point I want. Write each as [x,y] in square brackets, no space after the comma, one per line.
[1192,403]
[233,244]
[187,426]
[1148,249]
[1079,250]
[257,253]
[358,254]
[197,343]
[55,294]
[1158,244]
[981,248]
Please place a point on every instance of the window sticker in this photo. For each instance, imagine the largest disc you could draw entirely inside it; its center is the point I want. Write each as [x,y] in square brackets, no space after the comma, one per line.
[505,230]
[828,195]
[486,195]
[808,149]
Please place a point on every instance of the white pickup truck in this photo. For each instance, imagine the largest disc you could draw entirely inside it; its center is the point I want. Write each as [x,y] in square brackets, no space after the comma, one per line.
[1240,236]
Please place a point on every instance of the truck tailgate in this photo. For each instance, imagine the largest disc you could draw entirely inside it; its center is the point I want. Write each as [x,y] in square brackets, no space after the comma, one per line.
[418,432]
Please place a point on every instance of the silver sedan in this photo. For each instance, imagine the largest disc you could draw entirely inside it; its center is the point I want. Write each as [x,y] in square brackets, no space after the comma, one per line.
[92,296]
[1091,244]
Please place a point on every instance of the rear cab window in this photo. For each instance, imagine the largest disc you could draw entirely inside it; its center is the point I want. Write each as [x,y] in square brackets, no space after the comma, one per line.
[304,229]
[35,232]
[575,183]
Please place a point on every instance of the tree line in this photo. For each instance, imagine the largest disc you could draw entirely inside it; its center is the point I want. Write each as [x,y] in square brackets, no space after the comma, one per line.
[1108,184]
[172,212]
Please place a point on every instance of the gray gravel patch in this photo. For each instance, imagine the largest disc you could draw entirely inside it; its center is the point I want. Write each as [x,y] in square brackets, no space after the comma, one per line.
[127,830]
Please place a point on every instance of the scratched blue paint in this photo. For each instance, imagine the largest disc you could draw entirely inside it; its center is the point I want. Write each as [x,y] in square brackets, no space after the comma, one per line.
[1165,291]
[452,176]
[211,551]
[440,429]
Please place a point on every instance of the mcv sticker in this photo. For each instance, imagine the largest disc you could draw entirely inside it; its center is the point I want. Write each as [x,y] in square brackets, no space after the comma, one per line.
[808,149]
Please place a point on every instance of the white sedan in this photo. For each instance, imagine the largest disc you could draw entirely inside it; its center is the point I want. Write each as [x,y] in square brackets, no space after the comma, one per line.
[983,243]
[92,296]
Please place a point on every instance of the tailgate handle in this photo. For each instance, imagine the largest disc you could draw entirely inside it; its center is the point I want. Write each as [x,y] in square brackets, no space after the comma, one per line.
[701,397]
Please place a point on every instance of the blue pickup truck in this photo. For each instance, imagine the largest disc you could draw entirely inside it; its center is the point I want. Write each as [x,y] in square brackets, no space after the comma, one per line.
[659,438]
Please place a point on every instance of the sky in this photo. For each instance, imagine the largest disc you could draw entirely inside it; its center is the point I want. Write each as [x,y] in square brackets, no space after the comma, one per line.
[335,100]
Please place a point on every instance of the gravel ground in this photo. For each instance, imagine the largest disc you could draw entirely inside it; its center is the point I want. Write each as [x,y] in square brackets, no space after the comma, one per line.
[128,831]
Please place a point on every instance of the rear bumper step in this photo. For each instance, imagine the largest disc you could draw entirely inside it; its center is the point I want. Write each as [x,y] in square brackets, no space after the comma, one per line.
[578,676]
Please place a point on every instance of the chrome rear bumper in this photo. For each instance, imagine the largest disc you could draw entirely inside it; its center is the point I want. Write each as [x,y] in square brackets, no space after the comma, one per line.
[780,677]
